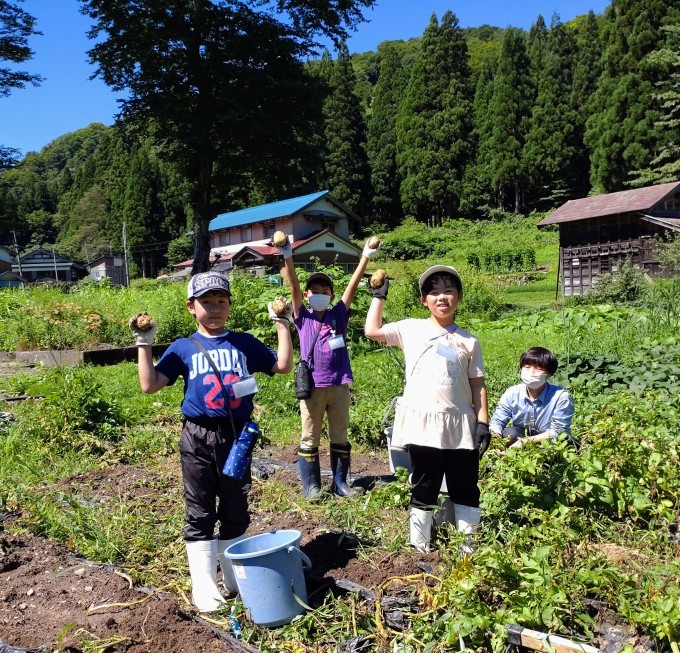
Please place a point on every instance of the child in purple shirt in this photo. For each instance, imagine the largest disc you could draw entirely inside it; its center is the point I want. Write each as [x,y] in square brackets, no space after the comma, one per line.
[332,372]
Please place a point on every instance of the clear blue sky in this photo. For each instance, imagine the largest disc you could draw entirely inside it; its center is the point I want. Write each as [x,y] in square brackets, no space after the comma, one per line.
[67,100]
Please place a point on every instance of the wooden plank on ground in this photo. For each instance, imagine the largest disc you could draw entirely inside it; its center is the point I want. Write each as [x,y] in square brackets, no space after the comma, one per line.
[546,642]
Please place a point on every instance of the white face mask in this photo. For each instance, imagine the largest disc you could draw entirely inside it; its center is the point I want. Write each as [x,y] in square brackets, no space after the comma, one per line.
[533,380]
[319,302]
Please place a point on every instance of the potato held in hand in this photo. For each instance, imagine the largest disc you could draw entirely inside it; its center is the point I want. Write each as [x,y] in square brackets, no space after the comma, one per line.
[143,321]
[377,278]
[280,306]
[374,242]
[280,239]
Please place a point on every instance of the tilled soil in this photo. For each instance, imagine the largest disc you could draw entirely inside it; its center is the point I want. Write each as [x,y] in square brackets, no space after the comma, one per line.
[51,598]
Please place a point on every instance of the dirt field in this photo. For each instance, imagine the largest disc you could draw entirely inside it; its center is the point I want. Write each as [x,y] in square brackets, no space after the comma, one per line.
[50,598]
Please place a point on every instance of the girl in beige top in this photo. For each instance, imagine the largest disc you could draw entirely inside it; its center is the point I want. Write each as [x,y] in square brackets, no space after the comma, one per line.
[443,413]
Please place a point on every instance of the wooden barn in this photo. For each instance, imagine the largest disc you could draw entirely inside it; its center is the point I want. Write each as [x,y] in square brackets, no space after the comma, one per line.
[598,233]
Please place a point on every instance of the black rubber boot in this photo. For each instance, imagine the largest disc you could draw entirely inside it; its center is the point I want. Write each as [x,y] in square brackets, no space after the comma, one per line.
[310,473]
[340,466]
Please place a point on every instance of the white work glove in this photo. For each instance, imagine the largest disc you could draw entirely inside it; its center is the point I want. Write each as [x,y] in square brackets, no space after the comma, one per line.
[142,337]
[286,250]
[284,318]
[369,252]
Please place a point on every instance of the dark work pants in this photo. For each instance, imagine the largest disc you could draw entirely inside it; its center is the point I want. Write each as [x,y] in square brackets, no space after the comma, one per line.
[430,465]
[210,496]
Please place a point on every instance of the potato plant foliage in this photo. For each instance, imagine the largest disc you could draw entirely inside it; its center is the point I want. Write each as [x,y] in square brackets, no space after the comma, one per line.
[566,531]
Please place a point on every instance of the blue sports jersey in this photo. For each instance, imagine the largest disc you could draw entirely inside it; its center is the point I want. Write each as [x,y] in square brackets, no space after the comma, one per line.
[236,355]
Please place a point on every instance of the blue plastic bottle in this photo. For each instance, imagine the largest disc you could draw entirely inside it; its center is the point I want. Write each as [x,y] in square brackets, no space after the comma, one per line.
[241,451]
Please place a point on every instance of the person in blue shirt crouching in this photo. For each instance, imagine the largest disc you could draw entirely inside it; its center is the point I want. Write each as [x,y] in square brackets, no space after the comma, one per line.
[534,410]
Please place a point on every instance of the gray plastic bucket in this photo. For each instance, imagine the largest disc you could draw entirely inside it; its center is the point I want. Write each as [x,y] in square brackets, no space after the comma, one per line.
[398,456]
[269,571]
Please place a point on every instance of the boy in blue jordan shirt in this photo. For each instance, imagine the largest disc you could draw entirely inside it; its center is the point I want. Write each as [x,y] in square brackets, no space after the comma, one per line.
[536,409]
[208,428]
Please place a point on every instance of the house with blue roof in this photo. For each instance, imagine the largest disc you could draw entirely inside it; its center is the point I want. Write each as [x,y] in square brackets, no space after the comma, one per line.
[318,226]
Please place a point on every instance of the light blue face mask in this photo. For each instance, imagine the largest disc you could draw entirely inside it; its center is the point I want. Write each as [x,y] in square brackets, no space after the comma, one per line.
[318,302]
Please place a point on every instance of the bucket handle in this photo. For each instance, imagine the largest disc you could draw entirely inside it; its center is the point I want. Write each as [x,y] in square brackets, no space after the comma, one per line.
[306,562]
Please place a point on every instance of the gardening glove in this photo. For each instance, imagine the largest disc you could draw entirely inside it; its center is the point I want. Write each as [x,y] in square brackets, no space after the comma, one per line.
[285,250]
[370,252]
[381,291]
[143,336]
[483,438]
[286,317]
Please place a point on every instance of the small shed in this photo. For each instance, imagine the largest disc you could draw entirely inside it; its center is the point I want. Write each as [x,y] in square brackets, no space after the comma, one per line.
[598,233]
[109,266]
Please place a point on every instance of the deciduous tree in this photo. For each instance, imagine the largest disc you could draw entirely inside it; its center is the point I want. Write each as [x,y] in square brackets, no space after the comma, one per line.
[219,84]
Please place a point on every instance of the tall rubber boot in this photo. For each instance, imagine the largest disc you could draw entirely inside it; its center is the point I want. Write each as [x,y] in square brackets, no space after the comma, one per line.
[467,522]
[310,473]
[227,568]
[340,458]
[202,556]
[420,528]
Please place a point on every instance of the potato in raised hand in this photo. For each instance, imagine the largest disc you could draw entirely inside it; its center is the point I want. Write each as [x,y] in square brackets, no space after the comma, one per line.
[143,321]
[377,278]
[280,306]
[279,239]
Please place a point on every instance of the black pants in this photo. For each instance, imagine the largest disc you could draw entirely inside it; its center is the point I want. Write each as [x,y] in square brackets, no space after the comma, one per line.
[209,495]
[430,466]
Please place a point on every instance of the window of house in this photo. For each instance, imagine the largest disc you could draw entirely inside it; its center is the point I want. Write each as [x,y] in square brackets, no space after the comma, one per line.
[329,245]
[268,229]
[246,234]
[223,238]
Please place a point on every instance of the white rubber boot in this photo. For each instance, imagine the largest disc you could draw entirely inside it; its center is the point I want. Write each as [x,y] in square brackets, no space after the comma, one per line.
[225,564]
[420,528]
[202,556]
[446,513]
[467,521]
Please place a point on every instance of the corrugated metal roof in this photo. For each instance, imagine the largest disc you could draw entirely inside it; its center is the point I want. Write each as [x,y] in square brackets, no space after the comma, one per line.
[625,201]
[270,211]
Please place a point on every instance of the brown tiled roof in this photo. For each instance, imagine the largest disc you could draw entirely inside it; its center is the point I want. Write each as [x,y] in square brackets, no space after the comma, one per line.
[625,201]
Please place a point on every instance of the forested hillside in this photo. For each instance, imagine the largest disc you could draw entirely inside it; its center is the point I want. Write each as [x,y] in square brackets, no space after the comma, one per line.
[453,123]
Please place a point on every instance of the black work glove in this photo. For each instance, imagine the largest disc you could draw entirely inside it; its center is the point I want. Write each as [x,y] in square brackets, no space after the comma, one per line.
[381,291]
[483,438]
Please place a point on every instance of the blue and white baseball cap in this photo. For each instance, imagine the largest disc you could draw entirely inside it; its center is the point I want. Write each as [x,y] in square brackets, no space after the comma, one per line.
[205,281]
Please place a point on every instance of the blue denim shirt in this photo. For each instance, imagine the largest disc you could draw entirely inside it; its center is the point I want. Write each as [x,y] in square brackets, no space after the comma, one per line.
[550,412]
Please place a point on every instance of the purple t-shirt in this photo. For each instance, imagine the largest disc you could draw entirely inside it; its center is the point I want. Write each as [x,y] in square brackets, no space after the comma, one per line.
[331,366]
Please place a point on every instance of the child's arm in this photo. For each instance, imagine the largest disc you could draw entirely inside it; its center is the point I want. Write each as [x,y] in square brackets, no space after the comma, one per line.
[479,399]
[351,290]
[502,415]
[374,320]
[284,364]
[150,379]
[295,292]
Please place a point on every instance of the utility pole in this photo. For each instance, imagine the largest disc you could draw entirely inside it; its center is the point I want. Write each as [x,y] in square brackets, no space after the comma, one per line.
[16,249]
[127,273]
[54,260]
